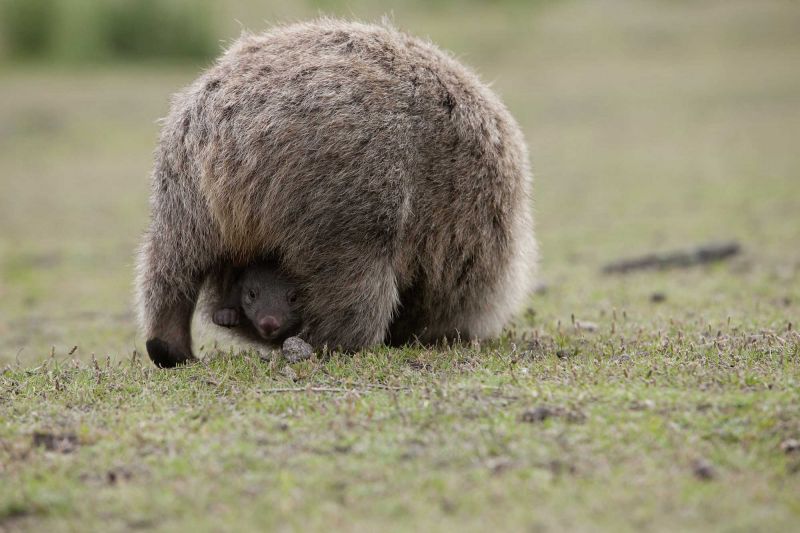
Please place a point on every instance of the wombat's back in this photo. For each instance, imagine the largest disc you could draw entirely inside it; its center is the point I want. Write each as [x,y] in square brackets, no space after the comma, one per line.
[341,122]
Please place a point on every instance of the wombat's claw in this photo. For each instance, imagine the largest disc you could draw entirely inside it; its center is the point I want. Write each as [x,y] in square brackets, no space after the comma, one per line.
[226,317]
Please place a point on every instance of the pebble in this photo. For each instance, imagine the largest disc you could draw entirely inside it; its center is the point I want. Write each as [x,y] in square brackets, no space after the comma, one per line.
[295,349]
[790,446]
[704,470]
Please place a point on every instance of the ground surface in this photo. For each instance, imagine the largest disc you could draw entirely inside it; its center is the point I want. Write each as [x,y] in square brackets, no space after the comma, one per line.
[652,126]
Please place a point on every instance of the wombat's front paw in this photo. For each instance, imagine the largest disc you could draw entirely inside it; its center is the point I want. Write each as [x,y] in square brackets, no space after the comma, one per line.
[226,317]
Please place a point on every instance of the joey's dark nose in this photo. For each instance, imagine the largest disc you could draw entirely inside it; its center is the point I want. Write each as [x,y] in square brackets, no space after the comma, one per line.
[268,325]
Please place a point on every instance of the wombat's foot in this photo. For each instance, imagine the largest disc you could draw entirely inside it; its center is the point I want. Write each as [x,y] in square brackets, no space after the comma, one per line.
[226,317]
[166,356]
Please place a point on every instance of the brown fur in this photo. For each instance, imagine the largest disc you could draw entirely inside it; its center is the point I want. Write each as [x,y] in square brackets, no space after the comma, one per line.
[387,178]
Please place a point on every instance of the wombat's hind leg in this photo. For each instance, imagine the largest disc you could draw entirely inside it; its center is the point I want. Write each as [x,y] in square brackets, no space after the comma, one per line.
[171,343]
[167,296]
[349,305]
[176,256]
[167,318]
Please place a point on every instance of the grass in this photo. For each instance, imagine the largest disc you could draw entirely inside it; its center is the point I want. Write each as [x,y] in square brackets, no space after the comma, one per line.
[652,126]
[610,434]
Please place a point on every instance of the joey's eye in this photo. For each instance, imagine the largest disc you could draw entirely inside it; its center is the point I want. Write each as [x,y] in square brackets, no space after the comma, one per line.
[291,295]
[252,294]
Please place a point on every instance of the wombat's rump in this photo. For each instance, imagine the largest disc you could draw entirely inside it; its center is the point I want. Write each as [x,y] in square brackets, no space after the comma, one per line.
[388,180]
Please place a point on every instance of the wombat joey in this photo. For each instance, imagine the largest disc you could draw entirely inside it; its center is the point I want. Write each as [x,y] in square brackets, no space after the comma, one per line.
[262,302]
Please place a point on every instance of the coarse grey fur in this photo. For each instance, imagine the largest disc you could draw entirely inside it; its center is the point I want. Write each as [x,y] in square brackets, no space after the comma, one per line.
[388,179]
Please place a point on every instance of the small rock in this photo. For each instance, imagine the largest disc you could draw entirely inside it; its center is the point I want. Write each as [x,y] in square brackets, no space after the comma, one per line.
[575,416]
[558,467]
[658,297]
[289,373]
[790,446]
[644,405]
[295,349]
[498,465]
[704,470]
[117,475]
[54,442]
[585,325]
[538,414]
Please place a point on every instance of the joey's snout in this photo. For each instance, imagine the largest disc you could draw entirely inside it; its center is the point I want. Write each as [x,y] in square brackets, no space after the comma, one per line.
[268,326]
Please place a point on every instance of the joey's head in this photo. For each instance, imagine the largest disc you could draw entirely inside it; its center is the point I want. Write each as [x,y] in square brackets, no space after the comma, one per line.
[269,300]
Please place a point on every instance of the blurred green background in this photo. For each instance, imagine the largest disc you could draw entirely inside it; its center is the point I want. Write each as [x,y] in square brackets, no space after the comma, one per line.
[652,124]
[90,31]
